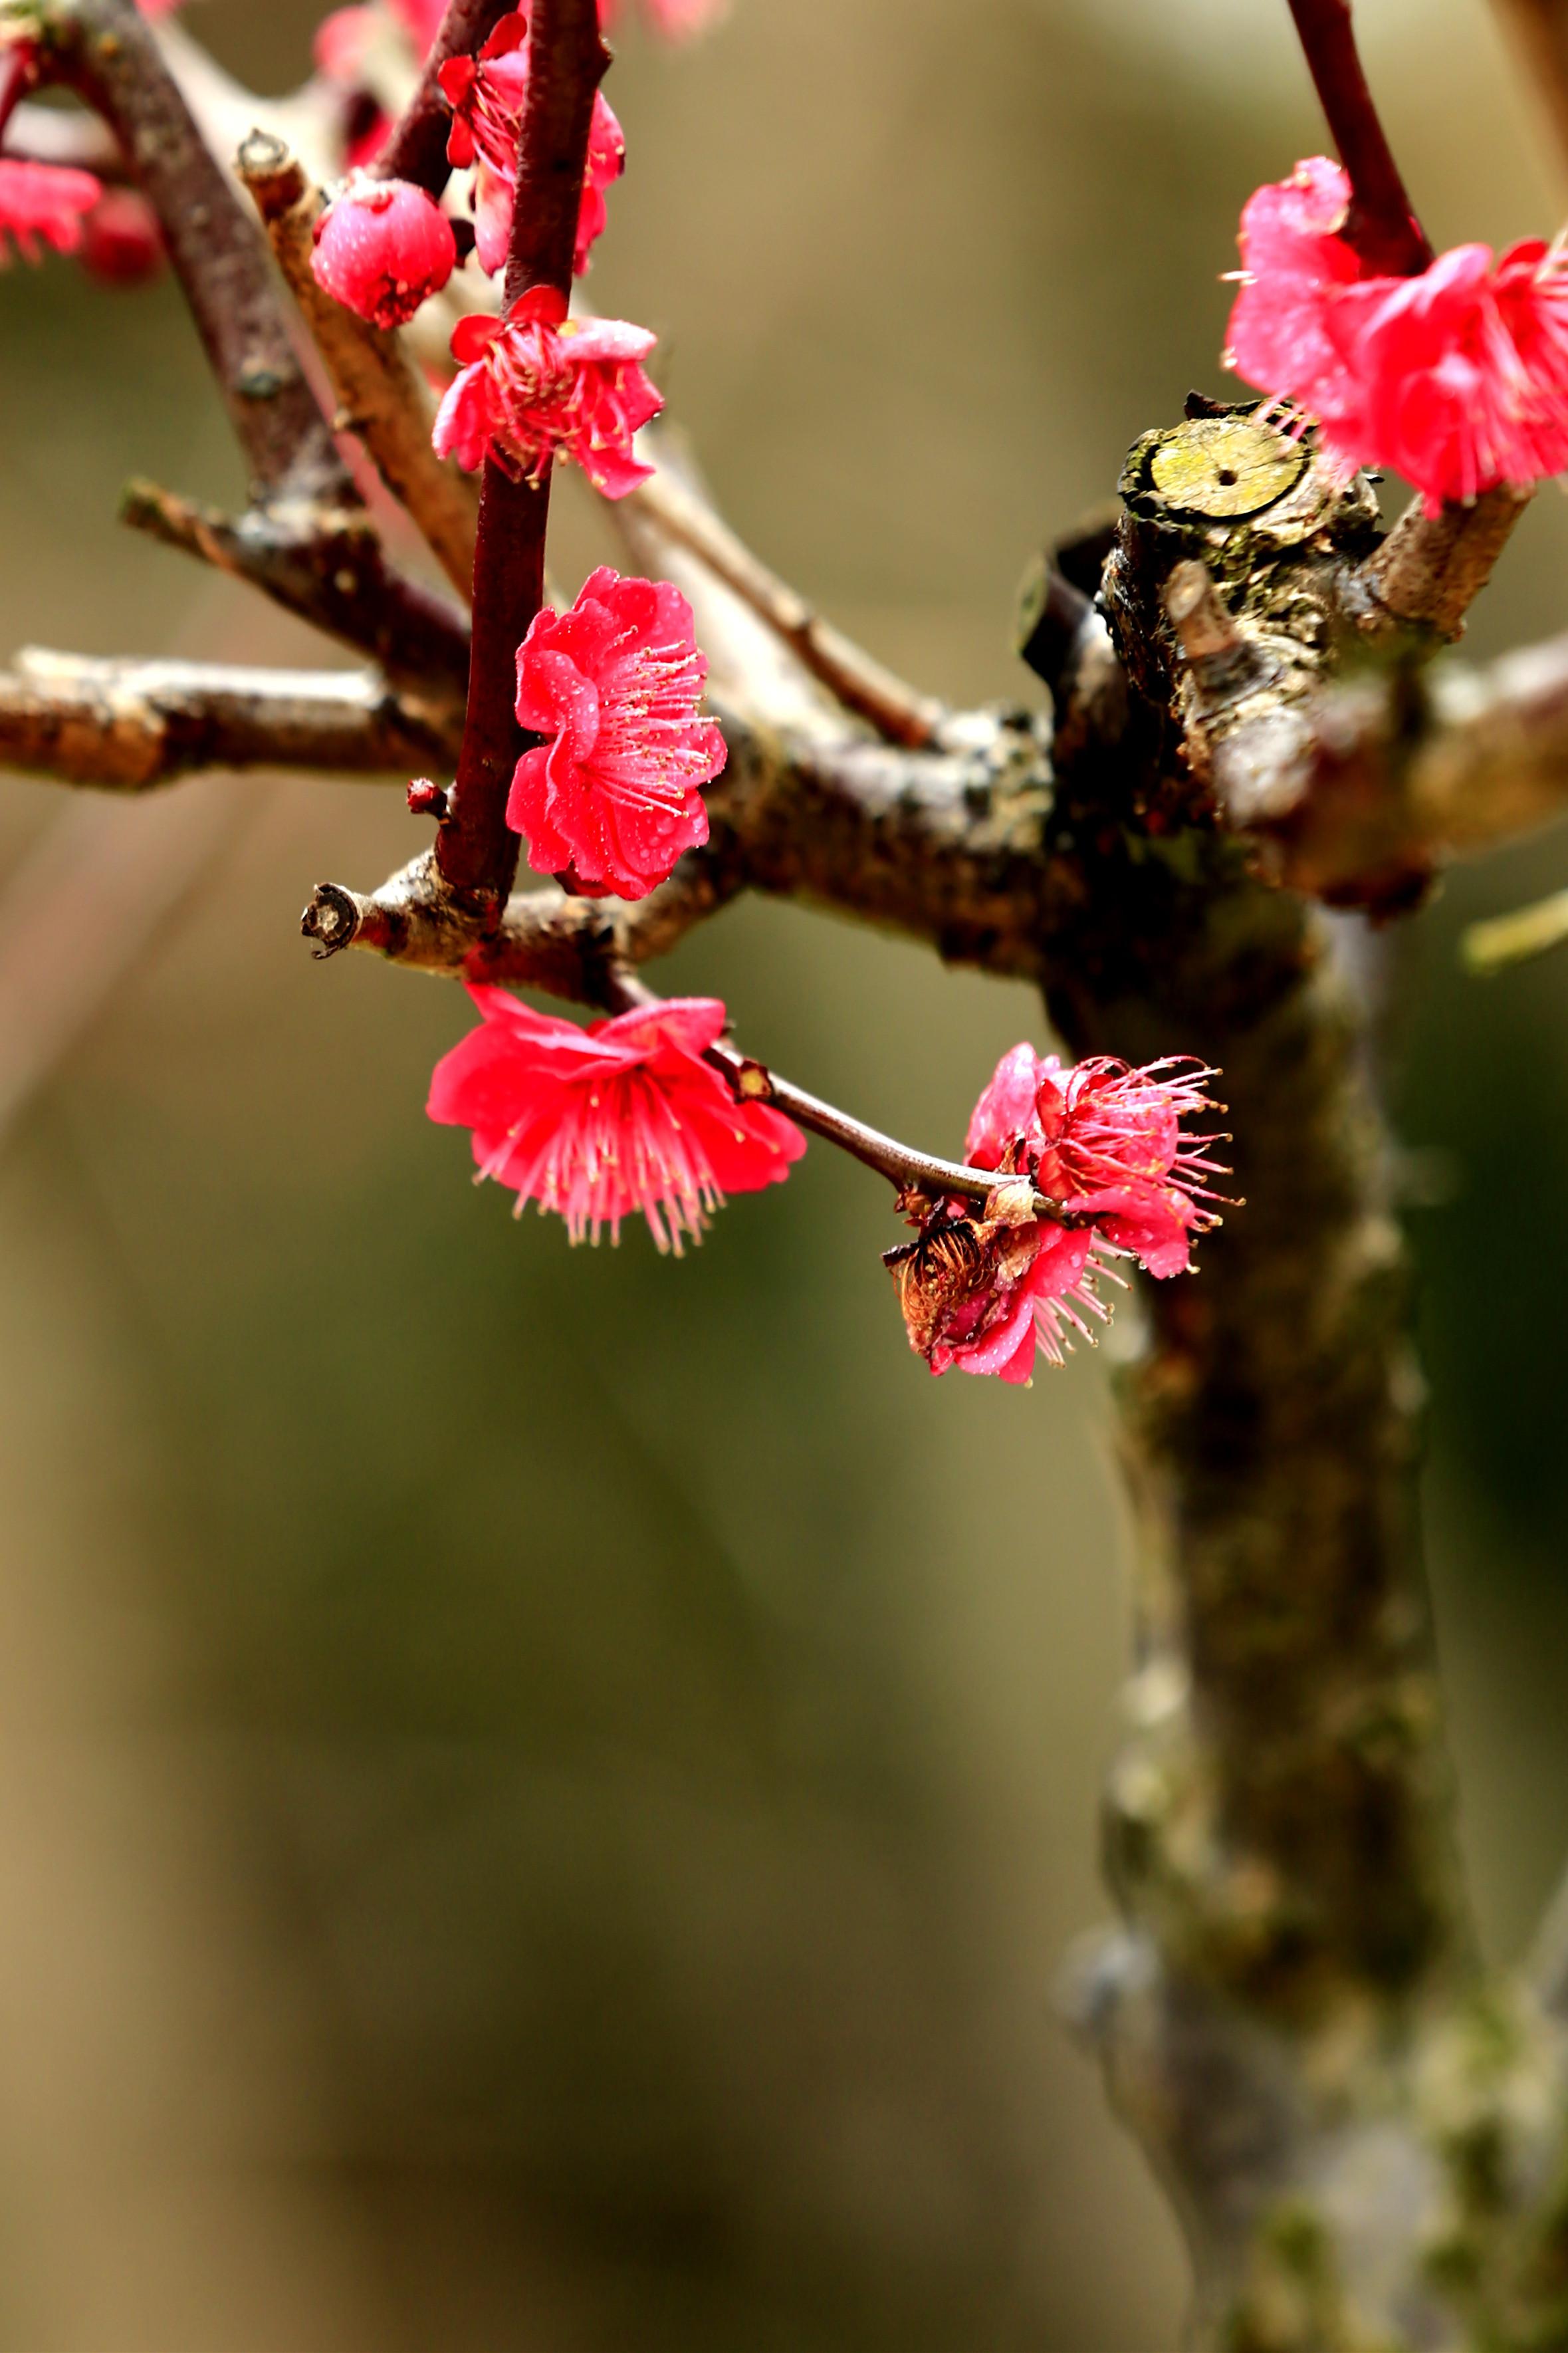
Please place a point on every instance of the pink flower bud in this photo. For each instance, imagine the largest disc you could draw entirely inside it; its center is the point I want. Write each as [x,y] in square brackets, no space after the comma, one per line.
[382,247]
[121,244]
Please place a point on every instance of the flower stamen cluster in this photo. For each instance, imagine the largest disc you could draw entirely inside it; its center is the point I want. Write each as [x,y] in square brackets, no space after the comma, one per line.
[1103,1140]
[536,385]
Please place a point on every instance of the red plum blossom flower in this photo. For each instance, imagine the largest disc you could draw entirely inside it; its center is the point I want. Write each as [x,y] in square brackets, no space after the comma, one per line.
[987,1294]
[44,200]
[1456,377]
[1107,1142]
[486,94]
[603,1123]
[122,244]
[381,247]
[617,684]
[1103,1140]
[537,385]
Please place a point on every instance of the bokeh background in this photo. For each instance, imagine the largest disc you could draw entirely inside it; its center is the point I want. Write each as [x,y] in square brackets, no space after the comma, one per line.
[543,1793]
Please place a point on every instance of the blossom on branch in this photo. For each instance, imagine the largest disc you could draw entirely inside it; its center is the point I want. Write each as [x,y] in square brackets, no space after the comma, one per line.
[537,385]
[381,247]
[605,1123]
[988,1294]
[486,94]
[44,200]
[1457,377]
[617,683]
[1106,1143]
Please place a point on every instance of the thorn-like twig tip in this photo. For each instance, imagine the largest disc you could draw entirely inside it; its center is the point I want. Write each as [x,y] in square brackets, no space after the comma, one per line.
[332,918]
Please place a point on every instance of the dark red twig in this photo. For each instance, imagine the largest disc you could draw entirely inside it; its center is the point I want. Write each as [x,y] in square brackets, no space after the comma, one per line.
[416,148]
[1382,226]
[475,849]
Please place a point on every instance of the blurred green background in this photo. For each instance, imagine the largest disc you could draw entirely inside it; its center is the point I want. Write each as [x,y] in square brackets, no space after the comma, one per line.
[543,1793]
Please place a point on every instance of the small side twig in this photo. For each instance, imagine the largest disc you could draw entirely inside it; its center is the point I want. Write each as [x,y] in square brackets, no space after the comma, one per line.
[1382,226]
[380,396]
[1428,571]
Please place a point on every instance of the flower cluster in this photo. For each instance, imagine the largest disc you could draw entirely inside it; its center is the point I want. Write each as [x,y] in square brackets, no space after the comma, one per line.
[381,247]
[603,1123]
[486,95]
[537,385]
[1106,1143]
[1456,378]
[615,684]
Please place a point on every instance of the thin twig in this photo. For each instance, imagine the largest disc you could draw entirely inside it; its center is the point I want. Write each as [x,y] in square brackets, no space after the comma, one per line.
[1425,575]
[380,396]
[856,678]
[326,565]
[416,147]
[128,726]
[475,849]
[1382,226]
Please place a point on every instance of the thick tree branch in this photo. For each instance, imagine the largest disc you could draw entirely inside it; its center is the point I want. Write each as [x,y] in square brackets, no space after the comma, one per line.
[1382,226]
[475,849]
[127,726]
[380,397]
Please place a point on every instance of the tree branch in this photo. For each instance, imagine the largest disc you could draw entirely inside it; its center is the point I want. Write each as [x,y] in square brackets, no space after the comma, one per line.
[104,50]
[1382,226]
[127,726]
[380,396]
[326,565]
[854,677]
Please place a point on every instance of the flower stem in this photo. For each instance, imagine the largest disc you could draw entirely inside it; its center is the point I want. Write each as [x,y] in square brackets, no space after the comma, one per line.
[15,76]
[475,849]
[1382,226]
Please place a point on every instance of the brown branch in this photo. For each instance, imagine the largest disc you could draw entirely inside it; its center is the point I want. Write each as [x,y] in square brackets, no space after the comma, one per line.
[380,397]
[475,849]
[1425,575]
[854,677]
[327,566]
[416,148]
[104,50]
[127,726]
[1382,226]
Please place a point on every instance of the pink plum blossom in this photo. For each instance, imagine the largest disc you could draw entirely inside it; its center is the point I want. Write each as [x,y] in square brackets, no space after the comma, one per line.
[537,386]
[381,247]
[486,94]
[1456,377]
[603,1123]
[617,684]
